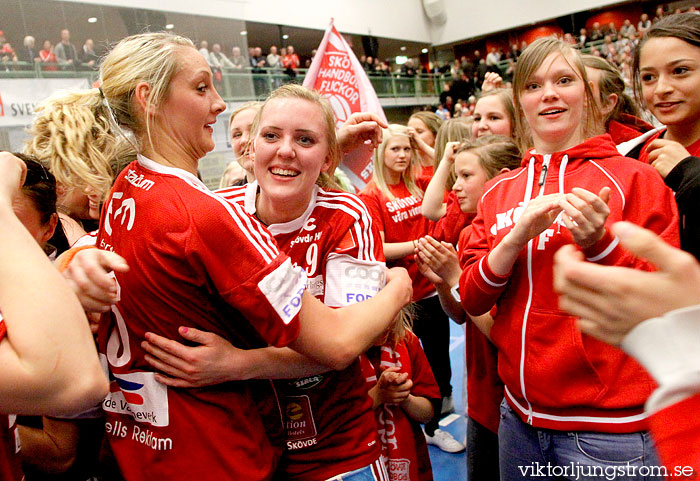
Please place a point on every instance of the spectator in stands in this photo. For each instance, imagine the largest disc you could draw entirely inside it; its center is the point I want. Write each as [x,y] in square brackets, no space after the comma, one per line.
[204,49]
[218,60]
[66,54]
[607,46]
[659,14]
[88,56]
[47,56]
[370,65]
[514,50]
[627,30]
[644,23]
[290,62]
[456,69]
[582,37]
[274,62]
[363,62]
[383,69]
[237,59]
[480,71]
[596,32]
[442,112]
[29,53]
[7,53]
[493,58]
[257,61]
[408,69]
[611,31]
[465,66]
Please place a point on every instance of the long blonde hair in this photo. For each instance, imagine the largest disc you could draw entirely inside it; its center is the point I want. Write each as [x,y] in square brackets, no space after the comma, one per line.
[73,135]
[408,175]
[326,179]
[146,57]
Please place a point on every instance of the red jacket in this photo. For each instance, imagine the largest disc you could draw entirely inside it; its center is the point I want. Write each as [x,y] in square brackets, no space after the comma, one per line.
[555,377]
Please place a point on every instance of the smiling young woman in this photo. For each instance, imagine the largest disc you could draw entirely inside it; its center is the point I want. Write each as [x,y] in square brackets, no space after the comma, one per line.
[667,79]
[571,186]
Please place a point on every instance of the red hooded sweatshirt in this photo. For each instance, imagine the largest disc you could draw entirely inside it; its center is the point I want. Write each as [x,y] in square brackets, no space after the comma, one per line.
[556,377]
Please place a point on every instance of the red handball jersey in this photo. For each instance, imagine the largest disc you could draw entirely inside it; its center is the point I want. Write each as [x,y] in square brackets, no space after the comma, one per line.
[195,260]
[10,464]
[330,427]
[400,220]
[403,443]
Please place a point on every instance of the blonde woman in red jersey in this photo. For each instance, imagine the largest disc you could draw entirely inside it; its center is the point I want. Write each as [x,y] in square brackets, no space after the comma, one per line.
[200,261]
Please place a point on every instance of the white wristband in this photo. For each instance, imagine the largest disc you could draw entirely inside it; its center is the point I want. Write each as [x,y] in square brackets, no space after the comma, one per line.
[454,290]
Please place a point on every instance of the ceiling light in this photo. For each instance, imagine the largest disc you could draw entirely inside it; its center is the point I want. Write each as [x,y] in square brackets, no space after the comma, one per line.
[169,26]
[403,49]
[425,50]
[244,32]
[285,36]
[92,20]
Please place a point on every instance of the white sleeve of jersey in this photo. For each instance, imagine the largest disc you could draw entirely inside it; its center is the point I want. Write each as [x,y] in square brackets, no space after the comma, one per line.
[283,289]
[350,280]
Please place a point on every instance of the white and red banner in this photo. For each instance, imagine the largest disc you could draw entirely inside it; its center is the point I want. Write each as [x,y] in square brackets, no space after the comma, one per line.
[336,74]
[18,97]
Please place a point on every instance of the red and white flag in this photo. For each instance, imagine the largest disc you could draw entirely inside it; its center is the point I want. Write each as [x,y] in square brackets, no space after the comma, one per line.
[336,74]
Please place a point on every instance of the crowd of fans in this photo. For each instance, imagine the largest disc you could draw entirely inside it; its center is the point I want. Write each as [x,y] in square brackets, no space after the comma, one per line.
[614,45]
[63,55]
[255,332]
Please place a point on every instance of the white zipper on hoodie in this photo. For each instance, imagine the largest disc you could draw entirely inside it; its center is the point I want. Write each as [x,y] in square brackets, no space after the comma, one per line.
[528,196]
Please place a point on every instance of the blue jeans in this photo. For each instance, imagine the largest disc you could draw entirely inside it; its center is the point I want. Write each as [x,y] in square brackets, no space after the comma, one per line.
[528,453]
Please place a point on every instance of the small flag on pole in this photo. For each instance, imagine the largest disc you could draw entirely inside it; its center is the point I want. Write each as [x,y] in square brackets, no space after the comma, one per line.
[336,74]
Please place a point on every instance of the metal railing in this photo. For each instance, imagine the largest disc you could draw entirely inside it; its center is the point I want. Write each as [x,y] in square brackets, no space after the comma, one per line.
[244,84]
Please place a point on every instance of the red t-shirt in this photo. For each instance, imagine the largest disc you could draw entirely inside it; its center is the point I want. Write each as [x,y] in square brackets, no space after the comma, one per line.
[10,464]
[330,427]
[424,173]
[195,260]
[403,443]
[400,220]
